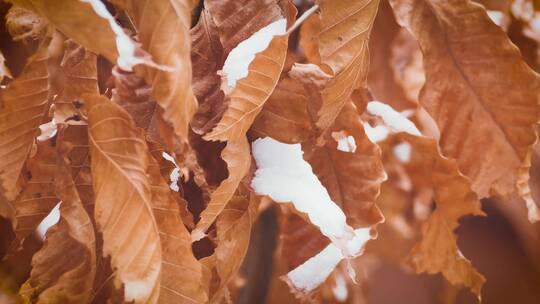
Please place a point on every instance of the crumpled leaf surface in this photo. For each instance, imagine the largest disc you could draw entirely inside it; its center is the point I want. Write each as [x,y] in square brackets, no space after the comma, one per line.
[233,233]
[38,197]
[476,98]
[437,251]
[23,105]
[353,179]
[163,29]
[180,272]
[249,94]
[72,240]
[345,27]
[123,209]
[284,116]
[81,26]
[80,77]
[207,55]
[238,158]
[238,20]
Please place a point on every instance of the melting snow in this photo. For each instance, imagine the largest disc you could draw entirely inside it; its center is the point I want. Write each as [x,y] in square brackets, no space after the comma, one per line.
[52,218]
[345,143]
[286,177]
[496,16]
[393,119]
[340,290]
[316,270]
[376,134]
[48,130]
[403,152]
[175,173]
[124,45]
[237,63]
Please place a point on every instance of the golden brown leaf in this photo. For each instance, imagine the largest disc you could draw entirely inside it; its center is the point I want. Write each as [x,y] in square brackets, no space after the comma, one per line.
[381,81]
[123,208]
[72,241]
[24,25]
[207,56]
[248,96]
[482,95]
[284,116]
[437,251]
[233,233]
[343,46]
[352,174]
[238,158]
[23,105]
[180,271]
[163,29]
[80,77]
[37,198]
[83,25]
[237,20]
[133,95]
[309,39]
[300,240]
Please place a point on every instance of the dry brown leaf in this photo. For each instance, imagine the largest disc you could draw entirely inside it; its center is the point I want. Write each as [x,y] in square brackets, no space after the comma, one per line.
[133,95]
[381,81]
[233,233]
[476,98]
[180,272]
[309,39]
[123,209]
[79,155]
[80,77]
[437,251]
[350,168]
[238,158]
[300,240]
[284,116]
[23,105]
[163,29]
[72,240]
[349,165]
[84,26]
[208,56]
[250,93]
[38,197]
[24,25]
[343,47]
[407,65]
[237,20]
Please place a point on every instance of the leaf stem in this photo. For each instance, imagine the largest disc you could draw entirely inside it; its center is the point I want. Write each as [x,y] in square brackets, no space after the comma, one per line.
[302,18]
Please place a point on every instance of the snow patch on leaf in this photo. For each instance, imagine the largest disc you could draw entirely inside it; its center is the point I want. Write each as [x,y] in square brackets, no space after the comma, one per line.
[392,118]
[237,63]
[340,289]
[129,55]
[345,143]
[286,177]
[175,173]
[376,134]
[403,152]
[51,219]
[308,276]
[48,130]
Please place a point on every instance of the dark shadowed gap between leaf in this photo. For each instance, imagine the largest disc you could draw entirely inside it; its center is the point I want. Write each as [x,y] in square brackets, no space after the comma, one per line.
[257,268]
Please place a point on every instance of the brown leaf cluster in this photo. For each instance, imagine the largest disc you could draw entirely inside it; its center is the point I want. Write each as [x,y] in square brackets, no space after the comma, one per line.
[140,122]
